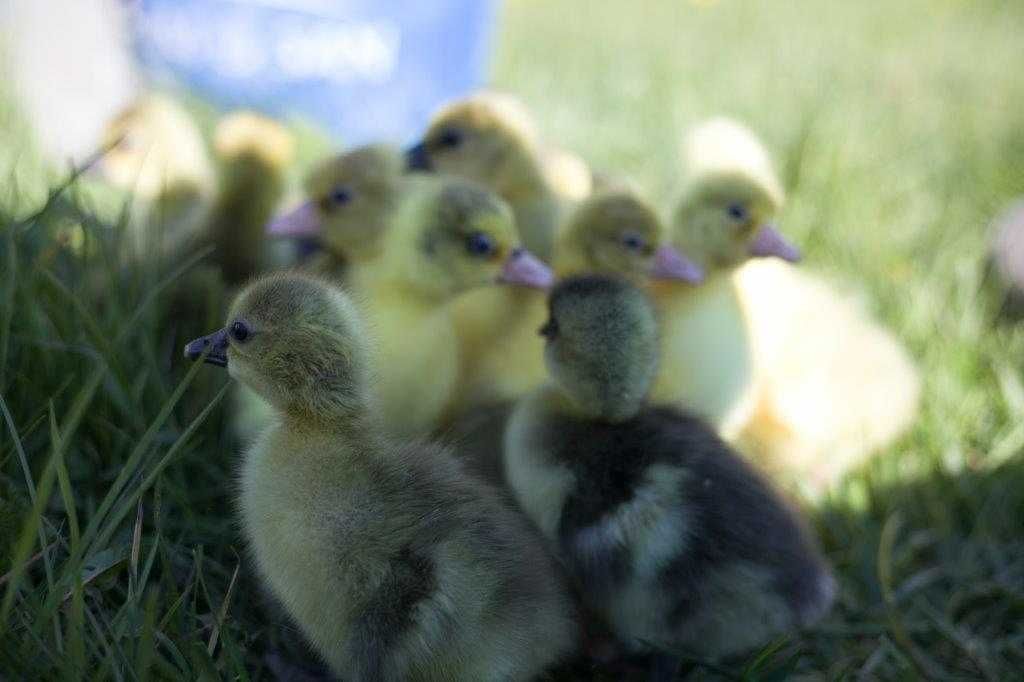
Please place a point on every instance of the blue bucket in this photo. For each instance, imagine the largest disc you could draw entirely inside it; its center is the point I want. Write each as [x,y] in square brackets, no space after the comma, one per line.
[363,70]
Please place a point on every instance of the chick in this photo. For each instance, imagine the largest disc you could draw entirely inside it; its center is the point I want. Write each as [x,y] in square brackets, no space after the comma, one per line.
[615,232]
[448,237]
[351,200]
[395,564]
[672,538]
[156,151]
[721,221]
[491,138]
[253,153]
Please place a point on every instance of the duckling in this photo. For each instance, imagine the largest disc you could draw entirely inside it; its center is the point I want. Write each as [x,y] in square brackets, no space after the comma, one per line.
[490,137]
[672,538]
[448,237]
[393,562]
[351,200]
[155,151]
[614,232]
[721,221]
[253,153]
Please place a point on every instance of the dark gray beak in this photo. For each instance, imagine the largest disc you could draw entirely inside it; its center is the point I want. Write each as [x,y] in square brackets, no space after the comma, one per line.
[212,348]
[416,158]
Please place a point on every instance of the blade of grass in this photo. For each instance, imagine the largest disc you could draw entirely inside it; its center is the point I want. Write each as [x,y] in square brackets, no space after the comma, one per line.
[7,313]
[212,644]
[32,524]
[132,462]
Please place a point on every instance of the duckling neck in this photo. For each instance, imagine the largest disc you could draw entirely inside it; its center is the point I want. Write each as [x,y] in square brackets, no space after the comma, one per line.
[249,191]
[604,408]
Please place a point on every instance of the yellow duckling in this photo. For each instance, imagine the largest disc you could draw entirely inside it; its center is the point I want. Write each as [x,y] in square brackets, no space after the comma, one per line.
[393,562]
[253,154]
[492,139]
[672,538]
[352,198]
[721,221]
[157,152]
[448,237]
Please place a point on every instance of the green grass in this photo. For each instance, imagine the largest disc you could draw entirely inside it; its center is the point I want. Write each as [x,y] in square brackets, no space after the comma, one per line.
[899,130]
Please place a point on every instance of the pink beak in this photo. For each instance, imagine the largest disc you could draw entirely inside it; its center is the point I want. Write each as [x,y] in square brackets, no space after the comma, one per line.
[524,269]
[669,263]
[769,242]
[301,221]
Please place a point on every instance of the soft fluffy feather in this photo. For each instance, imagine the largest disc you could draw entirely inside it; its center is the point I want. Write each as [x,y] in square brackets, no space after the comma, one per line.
[833,385]
[394,563]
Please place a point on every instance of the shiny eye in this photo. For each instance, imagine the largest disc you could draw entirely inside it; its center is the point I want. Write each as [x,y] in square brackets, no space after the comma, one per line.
[633,241]
[449,138]
[240,331]
[737,211]
[339,196]
[550,329]
[479,244]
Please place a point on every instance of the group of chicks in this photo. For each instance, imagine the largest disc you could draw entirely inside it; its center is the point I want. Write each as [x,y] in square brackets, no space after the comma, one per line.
[596,372]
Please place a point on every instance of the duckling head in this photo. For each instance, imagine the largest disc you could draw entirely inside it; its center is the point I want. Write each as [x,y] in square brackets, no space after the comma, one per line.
[725,211]
[725,218]
[299,343]
[154,148]
[488,137]
[601,345]
[458,236]
[350,201]
[617,232]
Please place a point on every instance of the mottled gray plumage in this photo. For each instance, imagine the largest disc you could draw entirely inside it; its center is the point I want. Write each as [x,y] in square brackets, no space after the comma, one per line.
[673,538]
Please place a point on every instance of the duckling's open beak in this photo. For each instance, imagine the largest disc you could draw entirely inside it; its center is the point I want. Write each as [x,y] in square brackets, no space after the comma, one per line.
[416,158]
[669,263]
[301,221]
[522,268]
[769,242]
[212,348]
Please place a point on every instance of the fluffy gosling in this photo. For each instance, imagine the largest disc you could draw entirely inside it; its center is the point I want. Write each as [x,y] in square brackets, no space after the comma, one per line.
[672,538]
[394,563]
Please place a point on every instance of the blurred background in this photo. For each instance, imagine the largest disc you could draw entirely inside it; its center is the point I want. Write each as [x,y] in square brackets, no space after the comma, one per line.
[897,129]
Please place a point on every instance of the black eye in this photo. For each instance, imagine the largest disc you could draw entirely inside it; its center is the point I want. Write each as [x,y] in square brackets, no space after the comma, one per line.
[550,329]
[633,241]
[339,196]
[240,331]
[449,138]
[737,211]
[479,244]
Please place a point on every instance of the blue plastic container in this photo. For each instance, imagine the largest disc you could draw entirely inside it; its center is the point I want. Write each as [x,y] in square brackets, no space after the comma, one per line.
[364,70]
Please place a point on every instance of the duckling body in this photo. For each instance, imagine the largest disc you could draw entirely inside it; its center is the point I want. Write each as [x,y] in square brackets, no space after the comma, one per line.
[674,540]
[706,356]
[395,563]
[418,351]
[832,384]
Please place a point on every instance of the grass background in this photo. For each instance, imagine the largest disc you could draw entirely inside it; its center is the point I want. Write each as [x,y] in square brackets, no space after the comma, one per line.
[899,131]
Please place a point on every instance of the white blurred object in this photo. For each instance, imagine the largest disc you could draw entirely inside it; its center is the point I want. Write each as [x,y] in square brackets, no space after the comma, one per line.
[72,68]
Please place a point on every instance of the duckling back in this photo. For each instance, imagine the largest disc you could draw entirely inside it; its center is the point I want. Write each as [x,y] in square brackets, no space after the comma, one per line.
[833,386]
